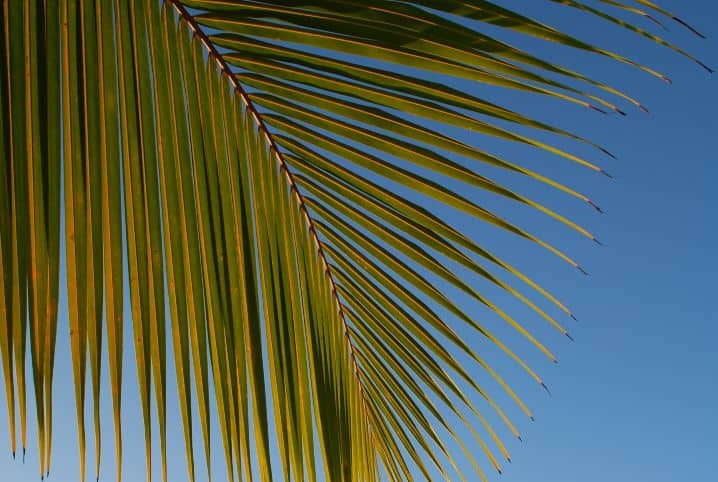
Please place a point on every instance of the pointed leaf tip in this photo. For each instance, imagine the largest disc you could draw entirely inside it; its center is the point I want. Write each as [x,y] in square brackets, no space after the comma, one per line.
[608,153]
[710,70]
[689,27]
[605,173]
[656,21]
[547,390]
[596,207]
[568,335]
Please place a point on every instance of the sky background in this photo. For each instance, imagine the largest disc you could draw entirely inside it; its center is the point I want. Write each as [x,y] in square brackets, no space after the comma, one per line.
[634,397]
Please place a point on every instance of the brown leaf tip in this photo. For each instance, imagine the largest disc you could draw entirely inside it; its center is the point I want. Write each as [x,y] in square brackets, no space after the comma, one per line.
[689,27]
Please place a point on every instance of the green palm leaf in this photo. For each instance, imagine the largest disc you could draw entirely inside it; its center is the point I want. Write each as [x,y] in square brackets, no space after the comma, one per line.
[249,154]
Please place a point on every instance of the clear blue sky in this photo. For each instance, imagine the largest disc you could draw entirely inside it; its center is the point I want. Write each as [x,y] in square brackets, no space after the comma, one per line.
[634,398]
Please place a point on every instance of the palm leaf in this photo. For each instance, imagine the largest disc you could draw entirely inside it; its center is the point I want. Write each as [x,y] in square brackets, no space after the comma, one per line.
[275,169]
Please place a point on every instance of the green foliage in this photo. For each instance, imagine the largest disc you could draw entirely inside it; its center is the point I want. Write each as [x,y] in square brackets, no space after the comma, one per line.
[246,152]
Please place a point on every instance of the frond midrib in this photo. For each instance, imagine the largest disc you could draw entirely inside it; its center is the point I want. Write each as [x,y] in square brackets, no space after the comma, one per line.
[239,90]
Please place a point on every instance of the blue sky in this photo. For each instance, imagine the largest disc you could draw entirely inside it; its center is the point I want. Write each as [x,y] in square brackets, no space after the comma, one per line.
[634,397]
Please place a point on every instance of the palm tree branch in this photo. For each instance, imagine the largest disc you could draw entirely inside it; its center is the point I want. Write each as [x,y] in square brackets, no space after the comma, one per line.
[322,296]
[385,31]
[239,90]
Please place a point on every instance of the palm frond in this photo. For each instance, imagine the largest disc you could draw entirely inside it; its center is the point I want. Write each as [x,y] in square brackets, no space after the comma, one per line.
[254,157]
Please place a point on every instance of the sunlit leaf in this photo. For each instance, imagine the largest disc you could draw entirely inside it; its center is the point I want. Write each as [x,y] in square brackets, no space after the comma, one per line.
[273,178]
